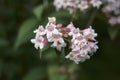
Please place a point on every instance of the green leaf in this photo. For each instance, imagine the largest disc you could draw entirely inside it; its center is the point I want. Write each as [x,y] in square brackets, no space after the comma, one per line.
[25,32]
[38,11]
[35,74]
[113,32]
[54,74]
[73,67]
[3,43]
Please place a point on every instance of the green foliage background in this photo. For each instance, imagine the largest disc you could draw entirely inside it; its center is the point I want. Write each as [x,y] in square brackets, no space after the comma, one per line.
[19,60]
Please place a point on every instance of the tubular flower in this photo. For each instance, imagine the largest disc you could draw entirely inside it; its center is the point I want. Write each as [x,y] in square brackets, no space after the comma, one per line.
[83,43]
[39,42]
[58,41]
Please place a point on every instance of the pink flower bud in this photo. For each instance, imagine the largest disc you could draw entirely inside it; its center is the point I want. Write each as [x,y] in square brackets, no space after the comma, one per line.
[45,41]
[59,25]
[65,35]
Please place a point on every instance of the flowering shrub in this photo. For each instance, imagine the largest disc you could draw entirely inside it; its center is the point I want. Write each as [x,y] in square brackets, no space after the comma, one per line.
[60,45]
[83,42]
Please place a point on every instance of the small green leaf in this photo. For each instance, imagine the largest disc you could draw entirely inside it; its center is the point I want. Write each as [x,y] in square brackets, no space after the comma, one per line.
[38,11]
[25,32]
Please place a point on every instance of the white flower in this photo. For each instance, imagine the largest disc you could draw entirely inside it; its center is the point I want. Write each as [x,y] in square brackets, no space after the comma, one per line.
[79,42]
[52,20]
[70,26]
[113,20]
[77,57]
[96,3]
[83,5]
[89,33]
[93,47]
[74,33]
[50,29]
[58,41]
[58,3]
[70,5]
[40,31]
[38,42]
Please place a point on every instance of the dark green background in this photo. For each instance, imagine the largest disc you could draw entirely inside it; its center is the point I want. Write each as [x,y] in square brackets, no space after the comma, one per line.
[19,60]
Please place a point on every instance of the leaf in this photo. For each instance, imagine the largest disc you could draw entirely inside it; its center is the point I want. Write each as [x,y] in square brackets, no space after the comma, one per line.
[25,32]
[113,32]
[73,68]
[3,43]
[35,74]
[38,11]
[54,73]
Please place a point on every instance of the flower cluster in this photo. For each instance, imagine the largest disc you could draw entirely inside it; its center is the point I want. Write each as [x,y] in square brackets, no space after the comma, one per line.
[83,42]
[72,5]
[50,33]
[112,11]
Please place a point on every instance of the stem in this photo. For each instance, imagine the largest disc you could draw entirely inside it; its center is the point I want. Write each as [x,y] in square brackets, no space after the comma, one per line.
[73,16]
[91,20]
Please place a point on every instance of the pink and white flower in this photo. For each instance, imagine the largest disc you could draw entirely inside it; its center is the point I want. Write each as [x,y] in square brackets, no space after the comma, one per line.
[96,3]
[50,29]
[58,41]
[40,31]
[83,5]
[74,33]
[38,42]
[89,33]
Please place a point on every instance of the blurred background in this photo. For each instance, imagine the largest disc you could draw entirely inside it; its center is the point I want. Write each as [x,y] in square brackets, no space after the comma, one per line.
[19,60]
